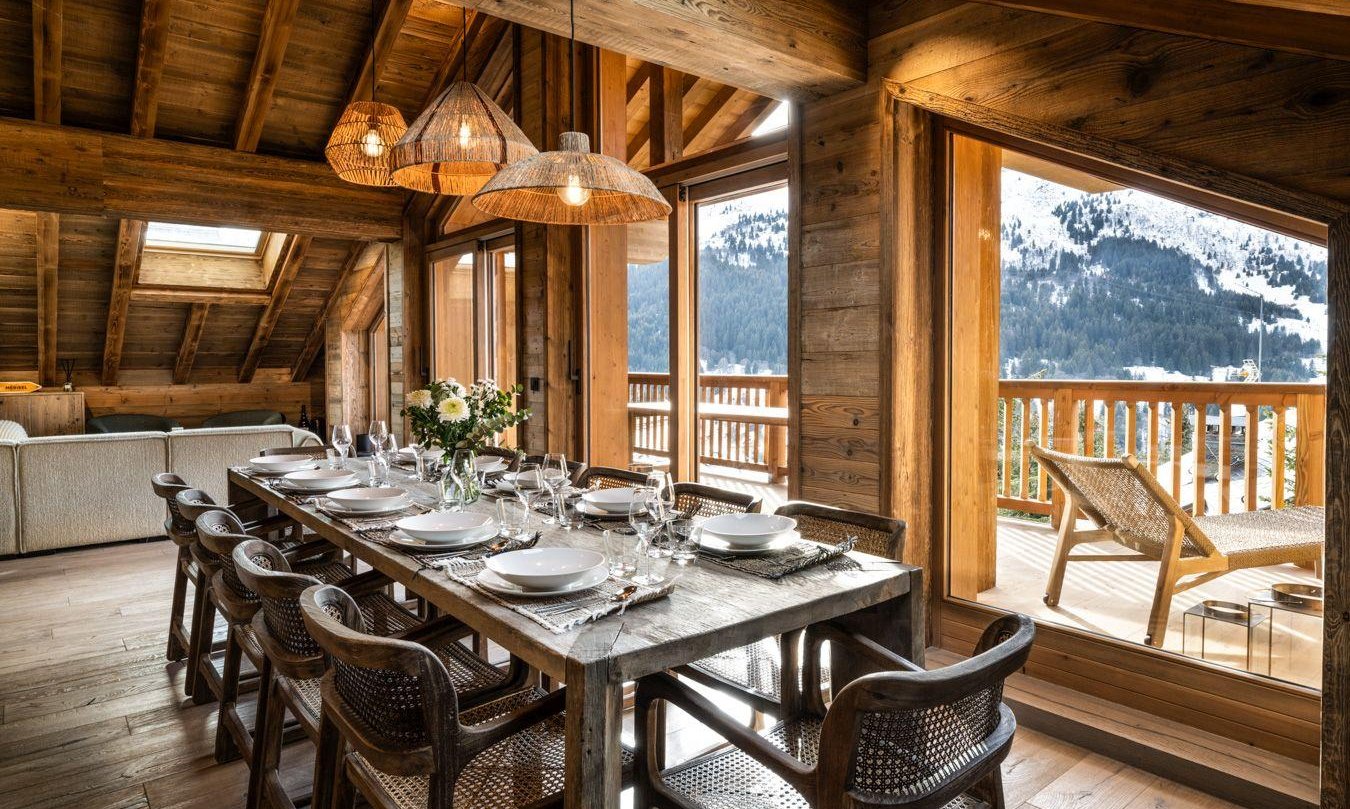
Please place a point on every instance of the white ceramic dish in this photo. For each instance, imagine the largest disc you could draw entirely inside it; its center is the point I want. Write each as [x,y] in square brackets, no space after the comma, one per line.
[545,568]
[599,513]
[444,526]
[321,480]
[407,455]
[748,530]
[369,498]
[524,480]
[338,510]
[401,539]
[612,501]
[496,584]
[283,463]
[489,464]
[718,545]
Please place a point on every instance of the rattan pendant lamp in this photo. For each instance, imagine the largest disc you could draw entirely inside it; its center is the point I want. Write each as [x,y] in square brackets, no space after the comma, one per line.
[572,186]
[460,141]
[358,149]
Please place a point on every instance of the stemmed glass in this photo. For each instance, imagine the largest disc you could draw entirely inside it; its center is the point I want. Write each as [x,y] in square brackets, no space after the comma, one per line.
[379,432]
[659,483]
[342,441]
[553,475]
[643,516]
[529,495]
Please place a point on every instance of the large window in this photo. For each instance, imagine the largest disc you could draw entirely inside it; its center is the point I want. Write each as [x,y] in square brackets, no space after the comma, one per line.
[473,304]
[200,238]
[1174,352]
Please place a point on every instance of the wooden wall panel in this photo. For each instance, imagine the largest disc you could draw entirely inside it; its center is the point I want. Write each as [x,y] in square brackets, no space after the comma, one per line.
[16,58]
[18,291]
[152,332]
[323,263]
[88,245]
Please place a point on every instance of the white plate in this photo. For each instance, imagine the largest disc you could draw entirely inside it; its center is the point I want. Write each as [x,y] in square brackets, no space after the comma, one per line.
[370,498]
[613,501]
[508,482]
[277,464]
[488,464]
[591,511]
[444,526]
[494,583]
[403,540]
[427,455]
[320,480]
[545,568]
[720,546]
[748,530]
[337,508]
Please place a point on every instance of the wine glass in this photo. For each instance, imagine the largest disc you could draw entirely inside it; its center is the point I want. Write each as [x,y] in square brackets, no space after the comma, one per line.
[527,485]
[342,441]
[379,431]
[659,483]
[553,475]
[642,516]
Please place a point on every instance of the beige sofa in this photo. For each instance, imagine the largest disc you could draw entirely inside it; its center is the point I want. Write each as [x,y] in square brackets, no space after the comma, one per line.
[68,491]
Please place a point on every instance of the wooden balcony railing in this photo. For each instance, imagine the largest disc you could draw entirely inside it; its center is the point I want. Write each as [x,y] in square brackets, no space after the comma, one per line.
[1263,442]
[742,420]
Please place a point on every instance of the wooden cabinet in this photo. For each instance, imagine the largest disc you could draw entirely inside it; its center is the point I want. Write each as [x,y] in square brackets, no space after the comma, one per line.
[46,412]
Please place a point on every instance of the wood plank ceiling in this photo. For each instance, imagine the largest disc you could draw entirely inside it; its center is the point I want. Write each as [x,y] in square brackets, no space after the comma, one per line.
[268,76]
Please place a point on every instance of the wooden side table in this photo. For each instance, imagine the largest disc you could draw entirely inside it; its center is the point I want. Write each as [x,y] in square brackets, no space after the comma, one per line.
[45,412]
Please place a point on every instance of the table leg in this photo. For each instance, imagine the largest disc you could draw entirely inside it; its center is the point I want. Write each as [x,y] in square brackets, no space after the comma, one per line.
[594,722]
[897,624]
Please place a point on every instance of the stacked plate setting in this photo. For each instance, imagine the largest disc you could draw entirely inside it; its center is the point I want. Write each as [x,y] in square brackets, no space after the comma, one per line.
[543,572]
[745,534]
[281,464]
[613,502]
[320,480]
[444,530]
[369,501]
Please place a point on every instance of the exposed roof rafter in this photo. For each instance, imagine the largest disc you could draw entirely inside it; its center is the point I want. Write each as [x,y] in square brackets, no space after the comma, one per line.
[277,25]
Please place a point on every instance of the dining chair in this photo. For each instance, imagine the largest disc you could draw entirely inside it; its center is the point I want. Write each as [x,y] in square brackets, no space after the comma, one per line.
[900,736]
[182,532]
[293,663]
[392,703]
[753,673]
[219,532]
[575,469]
[607,477]
[699,500]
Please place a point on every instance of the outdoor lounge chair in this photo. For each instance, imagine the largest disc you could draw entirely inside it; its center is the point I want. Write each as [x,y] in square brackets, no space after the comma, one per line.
[1130,507]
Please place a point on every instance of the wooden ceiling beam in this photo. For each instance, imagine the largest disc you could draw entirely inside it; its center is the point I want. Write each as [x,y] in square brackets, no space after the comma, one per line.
[48,22]
[753,116]
[187,347]
[453,65]
[292,258]
[495,75]
[789,48]
[126,267]
[640,77]
[151,47]
[79,171]
[710,112]
[1260,23]
[277,26]
[319,331]
[382,42]
[665,123]
[194,295]
[48,256]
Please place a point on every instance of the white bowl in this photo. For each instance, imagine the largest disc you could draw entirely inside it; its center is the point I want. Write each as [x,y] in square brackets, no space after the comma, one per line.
[749,530]
[446,526]
[545,568]
[406,453]
[614,501]
[369,498]
[487,464]
[282,463]
[522,480]
[321,480]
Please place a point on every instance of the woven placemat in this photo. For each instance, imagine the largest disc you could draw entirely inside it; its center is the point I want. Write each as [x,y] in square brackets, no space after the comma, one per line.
[563,613]
[796,557]
[431,559]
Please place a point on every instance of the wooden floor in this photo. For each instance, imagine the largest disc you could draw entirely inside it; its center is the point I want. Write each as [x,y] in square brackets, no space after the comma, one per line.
[1113,598]
[92,716]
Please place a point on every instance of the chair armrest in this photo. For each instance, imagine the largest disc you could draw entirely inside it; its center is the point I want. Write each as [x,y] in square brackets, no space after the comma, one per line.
[874,652]
[481,737]
[667,688]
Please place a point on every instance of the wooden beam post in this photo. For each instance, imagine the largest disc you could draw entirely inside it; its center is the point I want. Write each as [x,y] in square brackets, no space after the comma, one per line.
[277,24]
[382,43]
[126,267]
[666,121]
[48,22]
[187,347]
[706,116]
[683,428]
[292,258]
[150,49]
[48,259]
[1336,564]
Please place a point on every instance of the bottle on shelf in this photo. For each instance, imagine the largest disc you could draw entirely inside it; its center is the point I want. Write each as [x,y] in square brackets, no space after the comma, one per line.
[304,418]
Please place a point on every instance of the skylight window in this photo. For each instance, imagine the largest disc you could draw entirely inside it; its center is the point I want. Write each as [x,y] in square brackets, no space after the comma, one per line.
[202,239]
[778,119]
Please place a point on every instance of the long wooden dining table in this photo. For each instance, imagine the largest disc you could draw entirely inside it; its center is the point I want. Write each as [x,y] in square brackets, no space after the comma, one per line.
[711,609]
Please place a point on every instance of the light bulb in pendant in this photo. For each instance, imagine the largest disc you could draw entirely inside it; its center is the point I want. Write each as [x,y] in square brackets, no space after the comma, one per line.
[372,145]
[573,193]
[465,134]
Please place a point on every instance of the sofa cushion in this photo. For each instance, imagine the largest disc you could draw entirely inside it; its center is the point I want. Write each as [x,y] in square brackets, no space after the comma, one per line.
[83,490]
[12,431]
[201,456]
[9,502]
[245,418]
[129,423]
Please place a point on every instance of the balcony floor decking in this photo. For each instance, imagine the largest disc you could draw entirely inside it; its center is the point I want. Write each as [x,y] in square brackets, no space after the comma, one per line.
[1113,598]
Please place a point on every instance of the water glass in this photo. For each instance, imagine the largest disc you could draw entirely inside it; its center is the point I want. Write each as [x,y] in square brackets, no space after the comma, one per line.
[334,459]
[622,551]
[685,538]
[378,469]
[569,512]
[553,476]
[652,565]
[513,518]
[342,439]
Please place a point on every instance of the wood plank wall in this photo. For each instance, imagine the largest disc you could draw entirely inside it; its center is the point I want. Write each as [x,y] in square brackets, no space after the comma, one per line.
[1280,117]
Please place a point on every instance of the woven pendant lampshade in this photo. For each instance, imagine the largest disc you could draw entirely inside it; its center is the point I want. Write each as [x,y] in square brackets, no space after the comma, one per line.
[359,148]
[572,186]
[457,143]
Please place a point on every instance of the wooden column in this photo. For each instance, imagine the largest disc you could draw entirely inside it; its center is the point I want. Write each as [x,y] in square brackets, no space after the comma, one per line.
[187,347]
[406,288]
[683,338]
[606,312]
[666,119]
[974,365]
[1336,567]
[126,266]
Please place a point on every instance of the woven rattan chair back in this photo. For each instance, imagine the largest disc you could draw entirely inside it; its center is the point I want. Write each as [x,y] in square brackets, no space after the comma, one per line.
[877,535]
[699,500]
[575,469]
[606,477]
[219,532]
[1120,495]
[283,636]
[166,486]
[920,738]
[193,503]
[312,452]
[382,693]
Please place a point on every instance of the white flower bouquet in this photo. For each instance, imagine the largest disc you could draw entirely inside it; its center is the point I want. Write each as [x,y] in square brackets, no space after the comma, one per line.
[451,416]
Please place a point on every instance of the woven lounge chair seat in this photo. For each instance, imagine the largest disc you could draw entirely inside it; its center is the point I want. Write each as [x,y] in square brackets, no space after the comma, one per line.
[1268,537]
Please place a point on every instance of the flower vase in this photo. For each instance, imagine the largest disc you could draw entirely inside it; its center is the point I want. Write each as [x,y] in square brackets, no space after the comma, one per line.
[466,473]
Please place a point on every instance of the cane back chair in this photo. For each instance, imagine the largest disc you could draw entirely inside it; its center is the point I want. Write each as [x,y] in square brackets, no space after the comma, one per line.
[182,532]
[292,664]
[753,673]
[1129,506]
[218,533]
[394,705]
[700,501]
[899,737]
[606,477]
[575,469]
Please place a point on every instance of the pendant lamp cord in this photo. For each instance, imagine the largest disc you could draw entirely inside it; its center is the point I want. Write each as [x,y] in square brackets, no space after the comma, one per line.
[572,67]
[468,43]
[374,48]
